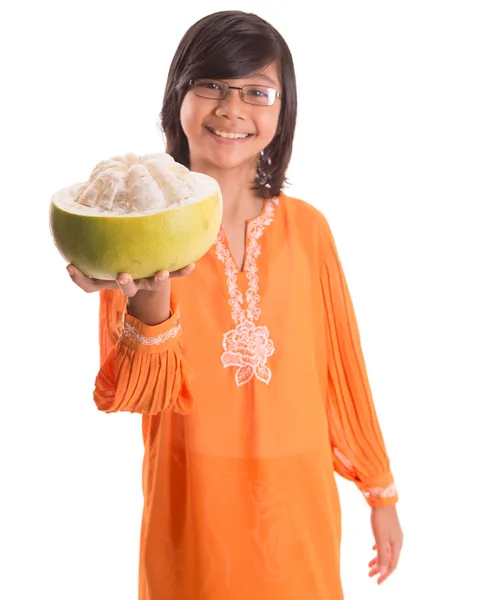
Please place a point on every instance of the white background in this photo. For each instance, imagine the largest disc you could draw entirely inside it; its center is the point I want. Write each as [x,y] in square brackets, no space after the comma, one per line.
[386,147]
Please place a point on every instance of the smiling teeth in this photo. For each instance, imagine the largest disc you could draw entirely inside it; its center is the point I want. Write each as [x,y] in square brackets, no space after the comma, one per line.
[230,136]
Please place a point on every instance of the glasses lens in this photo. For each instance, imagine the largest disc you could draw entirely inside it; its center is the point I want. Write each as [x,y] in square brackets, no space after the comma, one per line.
[259,95]
[209,88]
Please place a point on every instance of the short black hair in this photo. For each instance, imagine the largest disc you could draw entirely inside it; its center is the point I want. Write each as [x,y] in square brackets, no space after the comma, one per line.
[232,45]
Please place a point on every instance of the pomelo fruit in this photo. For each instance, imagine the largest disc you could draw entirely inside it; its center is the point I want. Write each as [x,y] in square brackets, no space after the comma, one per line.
[136,214]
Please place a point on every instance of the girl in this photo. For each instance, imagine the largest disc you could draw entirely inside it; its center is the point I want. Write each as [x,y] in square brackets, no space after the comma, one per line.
[247,371]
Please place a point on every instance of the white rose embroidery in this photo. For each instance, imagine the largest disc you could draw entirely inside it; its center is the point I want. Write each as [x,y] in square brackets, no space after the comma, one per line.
[247,346]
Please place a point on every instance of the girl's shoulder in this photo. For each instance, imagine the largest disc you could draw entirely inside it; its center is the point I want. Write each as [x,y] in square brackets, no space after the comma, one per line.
[305,215]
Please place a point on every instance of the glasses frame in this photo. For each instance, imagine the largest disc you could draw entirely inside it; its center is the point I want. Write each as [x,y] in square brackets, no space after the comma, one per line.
[228,88]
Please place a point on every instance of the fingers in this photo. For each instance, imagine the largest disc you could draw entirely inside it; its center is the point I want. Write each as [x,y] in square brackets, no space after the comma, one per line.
[86,283]
[124,281]
[159,278]
[377,565]
[127,284]
[130,286]
[373,566]
[394,553]
[388,542]
[380,564]
[382,556]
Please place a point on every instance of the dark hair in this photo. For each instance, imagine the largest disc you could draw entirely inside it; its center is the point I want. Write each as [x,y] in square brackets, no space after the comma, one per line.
[232,45]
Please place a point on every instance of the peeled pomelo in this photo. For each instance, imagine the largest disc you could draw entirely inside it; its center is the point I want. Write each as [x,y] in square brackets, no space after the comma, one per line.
[136,215]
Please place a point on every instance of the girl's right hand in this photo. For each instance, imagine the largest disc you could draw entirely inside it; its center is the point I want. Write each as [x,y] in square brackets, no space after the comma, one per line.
[125,282]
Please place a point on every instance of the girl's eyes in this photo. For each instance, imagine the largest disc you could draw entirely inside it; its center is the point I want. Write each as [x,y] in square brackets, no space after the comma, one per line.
[210,85]
[214,85]
[257,92]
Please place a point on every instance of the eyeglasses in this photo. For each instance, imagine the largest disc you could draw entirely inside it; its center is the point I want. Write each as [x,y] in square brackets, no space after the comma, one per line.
[259,95]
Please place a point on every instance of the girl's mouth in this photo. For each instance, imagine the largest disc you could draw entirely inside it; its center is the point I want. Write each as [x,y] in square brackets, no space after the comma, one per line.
[226,135]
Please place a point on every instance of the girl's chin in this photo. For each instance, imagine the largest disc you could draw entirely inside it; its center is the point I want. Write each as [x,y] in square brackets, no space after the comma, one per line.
[226,161]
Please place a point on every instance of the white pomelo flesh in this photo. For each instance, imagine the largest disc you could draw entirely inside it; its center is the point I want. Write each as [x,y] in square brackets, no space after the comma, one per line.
[139,218]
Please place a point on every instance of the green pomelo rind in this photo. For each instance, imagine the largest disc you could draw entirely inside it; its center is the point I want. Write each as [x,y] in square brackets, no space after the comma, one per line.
[101,247]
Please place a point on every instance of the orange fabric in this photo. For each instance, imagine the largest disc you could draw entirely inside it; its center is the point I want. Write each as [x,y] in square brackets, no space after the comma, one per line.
[112,306]
[253,394]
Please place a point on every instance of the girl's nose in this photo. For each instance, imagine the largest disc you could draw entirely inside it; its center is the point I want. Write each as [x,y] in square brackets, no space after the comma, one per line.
[232,106]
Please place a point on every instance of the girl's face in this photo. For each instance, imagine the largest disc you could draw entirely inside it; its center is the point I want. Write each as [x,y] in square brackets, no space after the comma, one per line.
[209,124]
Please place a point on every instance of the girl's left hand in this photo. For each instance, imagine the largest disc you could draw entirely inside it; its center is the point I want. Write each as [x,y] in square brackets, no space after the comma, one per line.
[388,542]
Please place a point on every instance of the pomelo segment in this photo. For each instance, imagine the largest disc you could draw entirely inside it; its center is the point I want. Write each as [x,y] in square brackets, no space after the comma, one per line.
[136,215]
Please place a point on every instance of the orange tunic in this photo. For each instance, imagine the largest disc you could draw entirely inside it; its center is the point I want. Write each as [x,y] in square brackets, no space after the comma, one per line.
[252,394]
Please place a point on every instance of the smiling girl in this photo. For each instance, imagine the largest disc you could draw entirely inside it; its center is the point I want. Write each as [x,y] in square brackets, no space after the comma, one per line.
[247,370]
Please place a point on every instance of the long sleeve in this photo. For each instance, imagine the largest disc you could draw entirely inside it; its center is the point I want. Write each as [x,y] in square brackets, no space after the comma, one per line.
[112,307]
[142,369]
[357,443]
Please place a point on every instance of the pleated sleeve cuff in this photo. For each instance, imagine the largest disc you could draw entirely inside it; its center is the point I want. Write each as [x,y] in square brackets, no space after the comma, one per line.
[385,495]
[146,372]
[380,491]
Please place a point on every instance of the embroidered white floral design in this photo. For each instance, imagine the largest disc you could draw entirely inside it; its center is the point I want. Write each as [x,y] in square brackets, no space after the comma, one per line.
[247,346]
[380,492]
[130,331]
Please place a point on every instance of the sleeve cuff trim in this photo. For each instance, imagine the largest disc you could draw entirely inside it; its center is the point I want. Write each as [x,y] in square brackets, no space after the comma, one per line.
[129,331]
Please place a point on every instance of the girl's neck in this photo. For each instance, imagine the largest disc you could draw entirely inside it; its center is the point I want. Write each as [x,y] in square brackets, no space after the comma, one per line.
[240,202]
